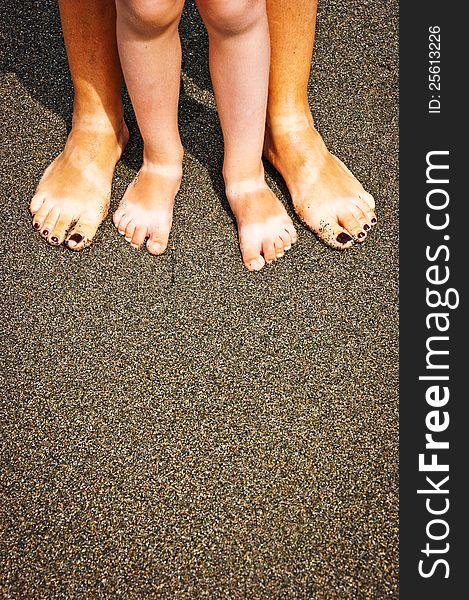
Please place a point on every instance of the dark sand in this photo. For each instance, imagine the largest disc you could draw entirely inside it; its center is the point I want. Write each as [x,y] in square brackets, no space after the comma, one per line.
[177,427]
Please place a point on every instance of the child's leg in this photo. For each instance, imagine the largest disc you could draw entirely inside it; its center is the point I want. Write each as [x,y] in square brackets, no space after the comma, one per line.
[239,63]
[150,52]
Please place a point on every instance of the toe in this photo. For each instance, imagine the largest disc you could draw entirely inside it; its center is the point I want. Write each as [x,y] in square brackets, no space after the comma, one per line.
[129,230]
[365,222]
[290,228]
[49,223]
[367,211]
[255,264]
[59,231]
[36,202]
[82,234]
[286,240]
[36,223]
[122,225]
[333,234]
[368,198]
[353,226]
[117,216]
[157,243]
[268,250]
[139,236]
[251,253]
[279,249]
[40,217]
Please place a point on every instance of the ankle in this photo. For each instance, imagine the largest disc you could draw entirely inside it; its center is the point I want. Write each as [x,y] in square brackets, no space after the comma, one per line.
[289,118]
[238,177]
[169,171]
[237,189]
[170,159]
[96,118]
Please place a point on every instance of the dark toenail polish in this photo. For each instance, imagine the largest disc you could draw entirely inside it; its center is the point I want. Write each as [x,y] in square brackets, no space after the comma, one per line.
[343,238]
[366,227]
[373,220]
[45,232]
[54,239]
[36,225]
[76,237]
[360,235]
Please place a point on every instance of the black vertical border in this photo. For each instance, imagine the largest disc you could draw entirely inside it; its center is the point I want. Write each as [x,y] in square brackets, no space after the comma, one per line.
[420,133]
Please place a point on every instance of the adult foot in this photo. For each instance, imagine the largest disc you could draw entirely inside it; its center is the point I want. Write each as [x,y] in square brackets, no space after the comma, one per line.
[265,230]
[146,210]
[325,194]
[72,198]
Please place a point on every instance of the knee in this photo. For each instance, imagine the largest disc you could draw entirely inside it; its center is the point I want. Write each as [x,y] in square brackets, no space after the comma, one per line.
[233,17]
[152,14]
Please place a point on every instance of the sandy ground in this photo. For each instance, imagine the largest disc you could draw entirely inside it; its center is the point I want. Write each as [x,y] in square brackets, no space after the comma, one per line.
[177,427]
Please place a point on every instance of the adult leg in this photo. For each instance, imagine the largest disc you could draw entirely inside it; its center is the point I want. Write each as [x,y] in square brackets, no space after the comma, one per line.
[326,195]
[239,65]
[150,50]
[73,194]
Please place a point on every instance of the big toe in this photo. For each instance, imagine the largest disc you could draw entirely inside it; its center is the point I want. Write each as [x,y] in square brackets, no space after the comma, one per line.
[157,243]
[331,233]
[82,234]
[251,253]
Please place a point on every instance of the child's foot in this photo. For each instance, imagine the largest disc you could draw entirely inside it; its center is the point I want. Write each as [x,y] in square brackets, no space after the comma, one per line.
[265,230]
[146,210]
[73,194]
[325,194]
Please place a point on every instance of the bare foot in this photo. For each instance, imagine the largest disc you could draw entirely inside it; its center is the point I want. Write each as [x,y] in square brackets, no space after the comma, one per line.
[146,210]
[265,230]
[73,194]
[325,194]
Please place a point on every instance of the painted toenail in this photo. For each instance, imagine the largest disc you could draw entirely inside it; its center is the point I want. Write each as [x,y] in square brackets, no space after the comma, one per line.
[360,235]
[45,233]
[76,237]
[343,238]
[54,239]
[373,220]
[366,227]
[36,225]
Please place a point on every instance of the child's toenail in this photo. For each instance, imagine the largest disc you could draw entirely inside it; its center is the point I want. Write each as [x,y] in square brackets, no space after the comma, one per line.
[373,220]
[121,232]
[54,239]
[127,239]
[343,238]
[45,232]
[360,235]
[287,248]
[36,225]
[135,246]
[366,227]
[76,237]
